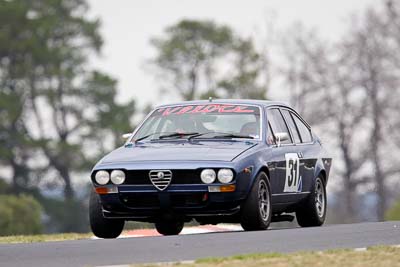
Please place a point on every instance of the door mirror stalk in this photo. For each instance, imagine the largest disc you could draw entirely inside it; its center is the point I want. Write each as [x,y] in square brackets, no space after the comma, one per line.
[281,137]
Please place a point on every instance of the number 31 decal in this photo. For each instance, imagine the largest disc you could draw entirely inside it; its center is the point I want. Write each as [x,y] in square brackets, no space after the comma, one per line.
[293,182]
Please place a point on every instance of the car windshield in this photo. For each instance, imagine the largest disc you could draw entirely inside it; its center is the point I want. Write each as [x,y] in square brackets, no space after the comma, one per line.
[201,121]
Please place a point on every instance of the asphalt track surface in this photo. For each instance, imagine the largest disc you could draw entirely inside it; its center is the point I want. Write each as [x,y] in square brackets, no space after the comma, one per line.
[189,247]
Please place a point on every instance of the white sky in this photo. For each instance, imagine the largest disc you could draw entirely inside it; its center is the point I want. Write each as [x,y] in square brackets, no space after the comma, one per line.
[128,25]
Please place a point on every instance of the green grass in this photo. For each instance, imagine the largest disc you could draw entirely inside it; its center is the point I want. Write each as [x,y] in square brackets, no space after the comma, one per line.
[67,236]
[380,256]
[43,238]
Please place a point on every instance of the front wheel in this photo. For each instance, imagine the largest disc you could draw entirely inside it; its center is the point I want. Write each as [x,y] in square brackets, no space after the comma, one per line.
[102,227]
[256,211]
[313,211]
[169,227]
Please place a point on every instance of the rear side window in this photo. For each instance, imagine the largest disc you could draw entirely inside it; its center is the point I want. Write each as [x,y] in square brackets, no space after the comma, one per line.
[277,123]
[292,125]
[305,133]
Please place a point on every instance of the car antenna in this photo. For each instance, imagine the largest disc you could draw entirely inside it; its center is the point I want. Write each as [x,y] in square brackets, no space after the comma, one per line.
[210,99]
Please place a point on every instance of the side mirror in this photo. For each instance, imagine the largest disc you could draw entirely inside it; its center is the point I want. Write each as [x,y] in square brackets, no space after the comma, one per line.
[126,136]
[281,137]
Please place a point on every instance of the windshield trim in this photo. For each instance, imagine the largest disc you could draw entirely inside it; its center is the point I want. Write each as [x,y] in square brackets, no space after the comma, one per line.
[183,105]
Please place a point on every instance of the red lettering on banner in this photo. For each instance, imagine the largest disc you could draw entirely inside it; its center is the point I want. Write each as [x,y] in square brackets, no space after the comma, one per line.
[223,109]
[169,111]
[205,109]
[210,108]
[184,110]
[197,109]
[242,109]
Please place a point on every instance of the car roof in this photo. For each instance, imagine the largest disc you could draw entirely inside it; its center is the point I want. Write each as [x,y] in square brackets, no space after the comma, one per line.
[263,103]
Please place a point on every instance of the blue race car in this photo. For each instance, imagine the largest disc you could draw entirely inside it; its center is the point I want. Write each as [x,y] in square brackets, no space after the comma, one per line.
[239,161]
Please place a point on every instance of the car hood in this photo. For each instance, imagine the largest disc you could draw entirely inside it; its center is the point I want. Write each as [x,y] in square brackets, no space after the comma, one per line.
[169,151]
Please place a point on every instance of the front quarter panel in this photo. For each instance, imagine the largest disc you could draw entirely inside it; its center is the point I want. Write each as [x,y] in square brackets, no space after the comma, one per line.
[256,159]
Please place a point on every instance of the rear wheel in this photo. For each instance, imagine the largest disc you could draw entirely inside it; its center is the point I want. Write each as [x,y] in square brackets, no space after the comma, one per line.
[102,227]
[313,211]
[256,210]
[169,227]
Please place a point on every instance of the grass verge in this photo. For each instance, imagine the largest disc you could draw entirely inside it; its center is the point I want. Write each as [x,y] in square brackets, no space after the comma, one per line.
[43,238]
[380,256]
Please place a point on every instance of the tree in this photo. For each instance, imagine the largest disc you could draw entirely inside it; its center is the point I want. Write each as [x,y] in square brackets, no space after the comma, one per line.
[53,106]
[20,215]
[111,118]
[244,79]
[187,55]
[351,86]
[14,50]
[198,59]
[322,88]
[377,44]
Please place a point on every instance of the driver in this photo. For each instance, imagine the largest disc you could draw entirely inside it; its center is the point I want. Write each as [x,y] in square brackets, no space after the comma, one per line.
[188,123]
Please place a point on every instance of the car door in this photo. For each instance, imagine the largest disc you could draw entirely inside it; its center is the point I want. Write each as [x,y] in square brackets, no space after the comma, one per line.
[307,150]
[303,179]
[282,161]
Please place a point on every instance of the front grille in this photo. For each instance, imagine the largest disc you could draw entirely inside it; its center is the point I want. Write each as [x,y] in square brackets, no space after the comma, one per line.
[160,178]
[141,177]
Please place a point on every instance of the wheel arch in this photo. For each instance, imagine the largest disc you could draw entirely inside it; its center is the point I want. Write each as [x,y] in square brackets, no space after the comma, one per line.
[321,172]
[262,168]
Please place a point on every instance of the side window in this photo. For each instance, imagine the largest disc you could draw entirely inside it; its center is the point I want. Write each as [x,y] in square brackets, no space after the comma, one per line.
[305,133]
[277,123]
[292,126]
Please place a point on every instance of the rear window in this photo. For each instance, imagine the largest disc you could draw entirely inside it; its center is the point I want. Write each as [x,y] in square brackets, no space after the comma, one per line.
[292,125]
[305,133]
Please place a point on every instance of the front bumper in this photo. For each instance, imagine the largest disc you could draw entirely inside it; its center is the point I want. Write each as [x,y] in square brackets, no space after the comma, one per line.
[145,201]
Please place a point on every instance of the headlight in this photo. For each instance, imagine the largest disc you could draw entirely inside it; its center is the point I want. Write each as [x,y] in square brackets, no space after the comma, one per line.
[225,176]
[102,177]
[208,176]
[117,177]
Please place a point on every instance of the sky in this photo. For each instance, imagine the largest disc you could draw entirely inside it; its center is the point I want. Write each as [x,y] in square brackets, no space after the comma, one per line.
[128,25]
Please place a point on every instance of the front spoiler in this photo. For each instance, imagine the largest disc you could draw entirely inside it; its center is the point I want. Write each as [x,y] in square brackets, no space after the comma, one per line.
[217,203]
[148,215]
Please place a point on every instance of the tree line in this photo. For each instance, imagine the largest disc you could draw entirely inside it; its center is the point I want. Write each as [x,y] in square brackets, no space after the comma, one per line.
[59,114]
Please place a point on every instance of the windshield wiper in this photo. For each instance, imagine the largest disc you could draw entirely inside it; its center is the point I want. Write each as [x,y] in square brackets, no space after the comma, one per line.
[176,135]
[170,135]
[147,136]
[233,136]
[221,135]
[200,134]
[193,135]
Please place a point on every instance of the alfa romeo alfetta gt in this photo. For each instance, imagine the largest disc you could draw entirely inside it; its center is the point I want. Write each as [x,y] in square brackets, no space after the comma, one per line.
[239,161]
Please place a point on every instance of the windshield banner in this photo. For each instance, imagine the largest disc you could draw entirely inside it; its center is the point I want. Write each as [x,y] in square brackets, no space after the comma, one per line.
[212,108]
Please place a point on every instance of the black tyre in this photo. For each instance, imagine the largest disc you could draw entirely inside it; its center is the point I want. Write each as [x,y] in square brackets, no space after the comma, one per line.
[102,227]
[313,210]
[256,211]
[169,227]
